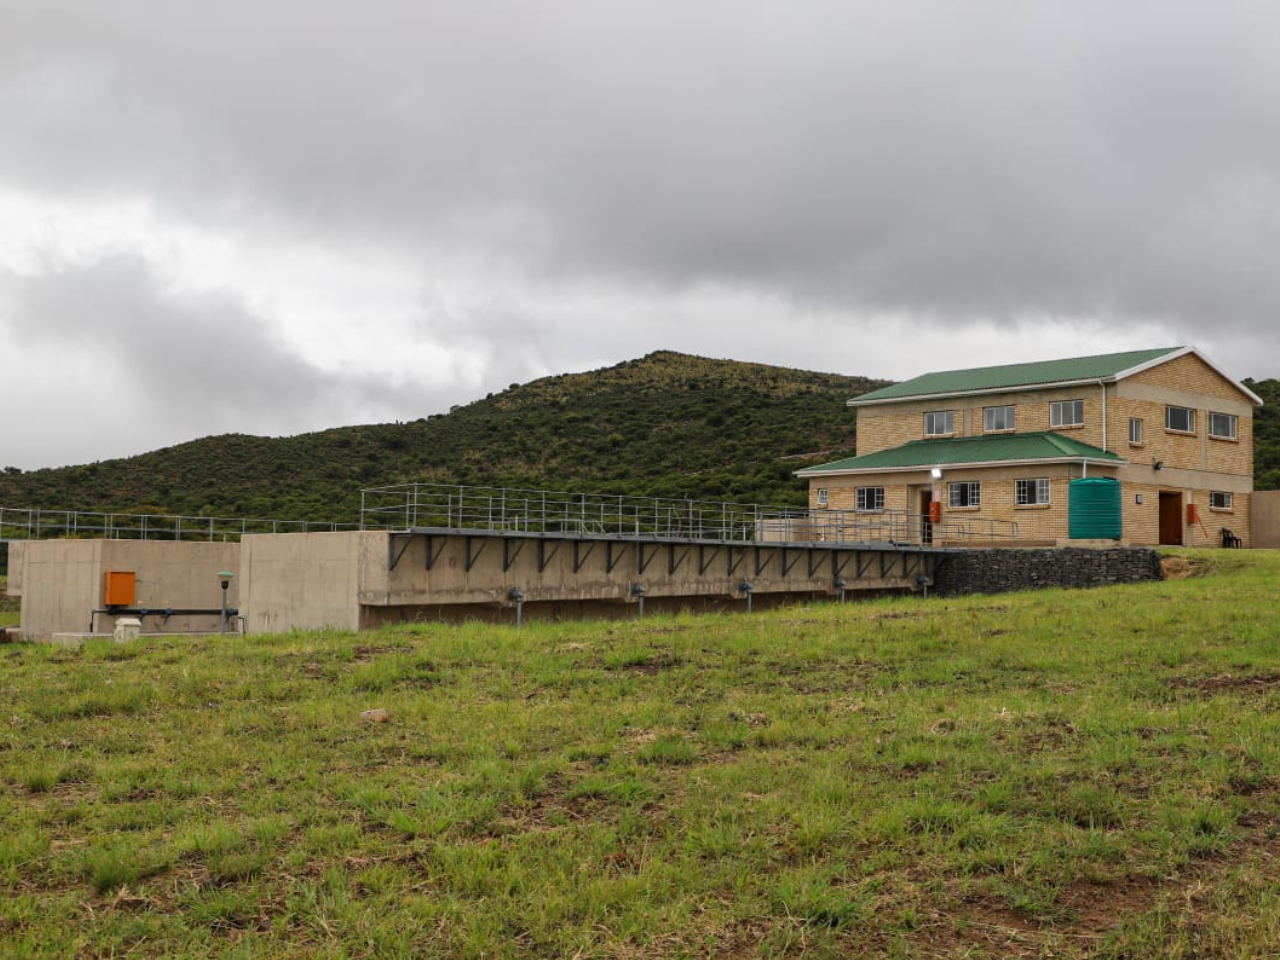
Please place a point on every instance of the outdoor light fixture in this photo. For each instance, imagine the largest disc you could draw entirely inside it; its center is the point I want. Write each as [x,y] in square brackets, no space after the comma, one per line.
[516,596]
[1158,465]
[638,591]
[225,576]
[936,473]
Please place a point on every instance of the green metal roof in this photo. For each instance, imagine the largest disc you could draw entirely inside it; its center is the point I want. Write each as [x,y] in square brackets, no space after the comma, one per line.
[1105,366]
[961,451]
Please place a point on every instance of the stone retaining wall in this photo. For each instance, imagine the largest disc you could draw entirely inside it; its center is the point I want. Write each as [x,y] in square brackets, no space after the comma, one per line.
[1000,571]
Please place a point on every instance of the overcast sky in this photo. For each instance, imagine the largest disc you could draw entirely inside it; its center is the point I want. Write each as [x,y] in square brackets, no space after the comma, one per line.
[278,216]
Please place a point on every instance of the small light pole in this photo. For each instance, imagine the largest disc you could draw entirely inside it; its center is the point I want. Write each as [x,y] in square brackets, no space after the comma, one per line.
[637,591]
[225,576]
[749,588]
[516,595]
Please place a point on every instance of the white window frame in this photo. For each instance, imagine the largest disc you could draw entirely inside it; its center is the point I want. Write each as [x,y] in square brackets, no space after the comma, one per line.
[1221,500]
[1135,431]
[1191,419]
[931,422]
[1058,410]
[998,419]
[1032,493]
[963,494]
[822,498]
[1232,425]
[870,499]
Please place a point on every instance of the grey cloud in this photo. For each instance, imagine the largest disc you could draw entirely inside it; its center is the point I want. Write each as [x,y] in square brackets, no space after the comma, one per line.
[177,365]
[1006,160]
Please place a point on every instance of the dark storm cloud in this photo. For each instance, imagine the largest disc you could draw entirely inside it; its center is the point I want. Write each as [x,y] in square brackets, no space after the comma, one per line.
[958,160]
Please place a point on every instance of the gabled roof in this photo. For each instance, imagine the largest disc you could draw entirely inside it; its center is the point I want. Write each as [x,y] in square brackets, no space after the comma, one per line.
[1107,367]
[1000,449]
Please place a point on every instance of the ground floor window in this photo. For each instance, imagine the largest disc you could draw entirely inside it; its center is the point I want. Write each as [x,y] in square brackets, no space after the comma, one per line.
[1032,492]
[871,498]
[964,493]
[1221,500]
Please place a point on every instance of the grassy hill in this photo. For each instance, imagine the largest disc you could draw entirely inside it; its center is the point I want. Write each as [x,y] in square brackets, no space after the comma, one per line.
[1266,434]
[1071,774]
[664,425]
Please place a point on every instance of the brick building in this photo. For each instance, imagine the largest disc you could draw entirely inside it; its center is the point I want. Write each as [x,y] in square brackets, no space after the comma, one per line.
[999,448]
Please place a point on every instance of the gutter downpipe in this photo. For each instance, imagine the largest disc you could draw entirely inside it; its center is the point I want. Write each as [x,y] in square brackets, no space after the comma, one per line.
[1103,385]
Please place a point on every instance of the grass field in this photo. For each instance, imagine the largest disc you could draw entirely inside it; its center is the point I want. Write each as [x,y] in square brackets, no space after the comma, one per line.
[9,606]
[1053,774]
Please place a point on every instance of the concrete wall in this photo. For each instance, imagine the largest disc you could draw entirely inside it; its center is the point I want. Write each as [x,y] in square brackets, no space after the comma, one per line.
[62,583]
[1000,571]
[306,581]
[601,571]
[15,568]
[1266,519]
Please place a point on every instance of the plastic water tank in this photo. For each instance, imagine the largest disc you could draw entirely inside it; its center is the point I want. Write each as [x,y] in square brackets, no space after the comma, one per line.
[1094,509]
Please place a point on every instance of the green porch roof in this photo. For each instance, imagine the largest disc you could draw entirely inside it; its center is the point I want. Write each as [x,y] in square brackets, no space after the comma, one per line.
[971,451]
[1107,366]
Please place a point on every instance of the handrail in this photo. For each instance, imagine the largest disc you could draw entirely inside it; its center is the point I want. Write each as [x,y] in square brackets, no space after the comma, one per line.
[417,506]
[27,523]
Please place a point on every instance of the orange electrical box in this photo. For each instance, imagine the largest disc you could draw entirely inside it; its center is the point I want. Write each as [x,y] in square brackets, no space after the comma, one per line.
[1193,513]
[121,589]
[935,511]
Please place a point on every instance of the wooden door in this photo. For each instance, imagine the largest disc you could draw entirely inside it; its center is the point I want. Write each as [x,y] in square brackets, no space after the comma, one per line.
[1170,518]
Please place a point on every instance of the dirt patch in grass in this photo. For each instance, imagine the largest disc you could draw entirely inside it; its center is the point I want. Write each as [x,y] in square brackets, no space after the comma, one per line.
[1180,568]
[1227,682]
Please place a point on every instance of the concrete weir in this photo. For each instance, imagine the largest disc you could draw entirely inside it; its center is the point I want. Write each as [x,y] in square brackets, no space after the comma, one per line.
[366,579]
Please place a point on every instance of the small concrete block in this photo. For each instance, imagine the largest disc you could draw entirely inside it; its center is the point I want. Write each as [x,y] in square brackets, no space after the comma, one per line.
[127,628]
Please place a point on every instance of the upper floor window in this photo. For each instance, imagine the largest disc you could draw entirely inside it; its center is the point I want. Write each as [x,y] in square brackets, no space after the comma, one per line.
[1032,492]
[965,493]
[995,419]
[822,496]
[939,423]
[1223,425]
[1181,419]
[871,498]
[1066,413]
[1135,431]
[1220,500]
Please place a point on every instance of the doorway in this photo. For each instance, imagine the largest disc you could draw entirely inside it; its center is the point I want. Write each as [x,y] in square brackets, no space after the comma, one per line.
[1170,519]
[926,526]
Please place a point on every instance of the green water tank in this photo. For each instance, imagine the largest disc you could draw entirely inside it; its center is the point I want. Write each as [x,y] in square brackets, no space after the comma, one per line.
[1094,509]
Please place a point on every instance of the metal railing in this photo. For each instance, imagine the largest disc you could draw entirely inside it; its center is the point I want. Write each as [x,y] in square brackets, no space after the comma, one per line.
[419,506]
[20,523]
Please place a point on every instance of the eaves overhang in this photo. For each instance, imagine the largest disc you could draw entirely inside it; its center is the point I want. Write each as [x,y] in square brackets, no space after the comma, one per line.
[980,465]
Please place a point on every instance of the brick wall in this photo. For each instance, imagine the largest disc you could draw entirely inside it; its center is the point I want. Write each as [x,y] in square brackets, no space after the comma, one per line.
[1000,571]
[1190,375]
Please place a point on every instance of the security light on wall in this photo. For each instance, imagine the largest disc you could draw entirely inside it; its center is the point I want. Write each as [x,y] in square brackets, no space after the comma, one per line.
[936,473]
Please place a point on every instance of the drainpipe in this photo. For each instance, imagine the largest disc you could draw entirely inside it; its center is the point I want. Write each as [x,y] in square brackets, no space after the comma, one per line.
[1103,385]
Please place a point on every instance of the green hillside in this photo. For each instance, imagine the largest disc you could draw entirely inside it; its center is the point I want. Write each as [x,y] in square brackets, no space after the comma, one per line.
[664,425]
[1266,434]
